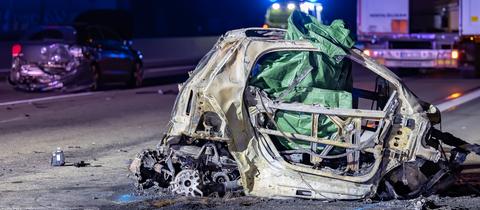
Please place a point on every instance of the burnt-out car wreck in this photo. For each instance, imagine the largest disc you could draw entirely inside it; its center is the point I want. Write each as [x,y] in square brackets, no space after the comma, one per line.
[274,113]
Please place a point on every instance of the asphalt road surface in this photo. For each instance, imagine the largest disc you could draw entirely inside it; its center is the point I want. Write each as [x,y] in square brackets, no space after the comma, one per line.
[106,129]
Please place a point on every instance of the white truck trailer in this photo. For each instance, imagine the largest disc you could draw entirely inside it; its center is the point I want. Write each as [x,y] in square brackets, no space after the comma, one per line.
[427,34]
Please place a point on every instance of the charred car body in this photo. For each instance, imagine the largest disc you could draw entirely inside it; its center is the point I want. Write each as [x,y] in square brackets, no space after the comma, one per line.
[274,113]
[63,57]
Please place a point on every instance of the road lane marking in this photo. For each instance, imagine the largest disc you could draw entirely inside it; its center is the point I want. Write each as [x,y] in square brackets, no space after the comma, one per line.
[458,101]
[46,98]
[13,119]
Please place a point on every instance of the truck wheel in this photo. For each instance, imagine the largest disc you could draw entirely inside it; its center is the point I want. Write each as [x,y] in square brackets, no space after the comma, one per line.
[136,78]
[476,62]
[473,72]
[97,78]
[476,72]
[469,73]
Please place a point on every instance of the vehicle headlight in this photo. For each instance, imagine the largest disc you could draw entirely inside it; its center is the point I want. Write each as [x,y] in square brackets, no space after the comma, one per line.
[291,6]
[76,51]
[43,50]
[276,6]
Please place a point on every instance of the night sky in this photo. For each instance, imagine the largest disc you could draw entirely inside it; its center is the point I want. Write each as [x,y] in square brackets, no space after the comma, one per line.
[213,17]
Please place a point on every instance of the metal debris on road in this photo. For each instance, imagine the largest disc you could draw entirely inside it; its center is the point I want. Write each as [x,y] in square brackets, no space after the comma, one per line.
[81,164]
[58,158]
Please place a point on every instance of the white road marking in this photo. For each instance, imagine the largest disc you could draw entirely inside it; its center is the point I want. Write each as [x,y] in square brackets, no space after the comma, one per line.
[12,119]
[46,98]
[458,101]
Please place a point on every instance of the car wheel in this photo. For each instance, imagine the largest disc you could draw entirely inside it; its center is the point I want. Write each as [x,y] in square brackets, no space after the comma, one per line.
[10,81]
[136,78]
[13,76]
[97,78]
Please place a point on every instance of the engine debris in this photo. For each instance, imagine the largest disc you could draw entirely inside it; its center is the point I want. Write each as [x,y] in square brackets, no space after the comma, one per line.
[81,164]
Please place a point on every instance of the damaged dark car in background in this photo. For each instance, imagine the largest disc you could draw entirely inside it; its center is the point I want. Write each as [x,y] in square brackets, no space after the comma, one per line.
[73,58]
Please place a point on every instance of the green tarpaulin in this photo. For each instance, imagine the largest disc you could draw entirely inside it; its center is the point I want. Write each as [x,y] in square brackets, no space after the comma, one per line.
[322,78]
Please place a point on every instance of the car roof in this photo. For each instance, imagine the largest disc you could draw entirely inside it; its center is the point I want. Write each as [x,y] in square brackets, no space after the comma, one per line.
[68,31]
[62,28]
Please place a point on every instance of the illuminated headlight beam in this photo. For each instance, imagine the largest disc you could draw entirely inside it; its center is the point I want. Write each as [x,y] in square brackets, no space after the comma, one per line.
[291,6]
[276,6]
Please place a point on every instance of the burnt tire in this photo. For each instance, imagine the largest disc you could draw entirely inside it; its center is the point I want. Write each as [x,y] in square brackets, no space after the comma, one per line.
[136,76]
[98,83]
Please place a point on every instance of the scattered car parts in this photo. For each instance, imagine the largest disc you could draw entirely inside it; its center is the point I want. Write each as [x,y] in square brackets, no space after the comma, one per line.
[58,158]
